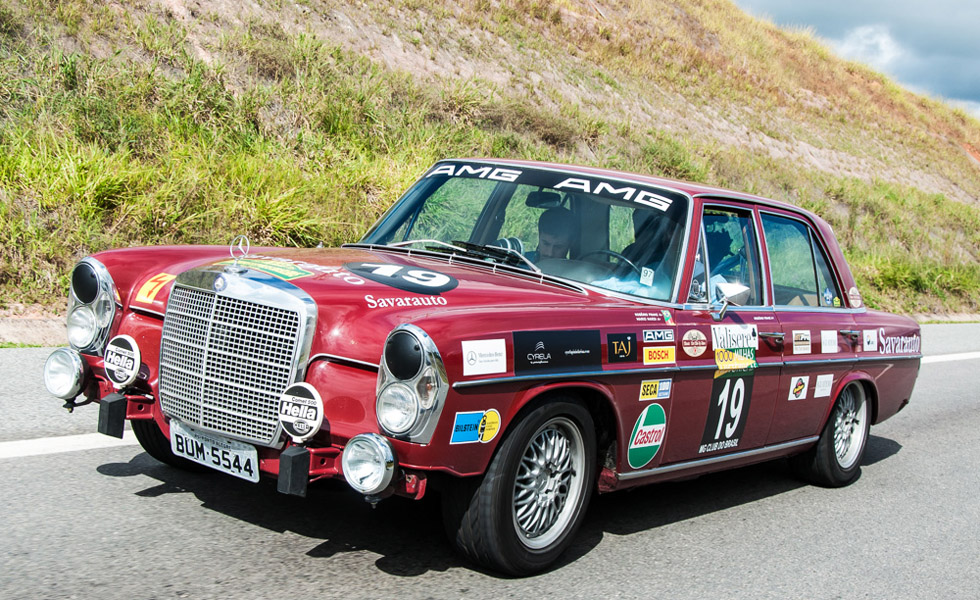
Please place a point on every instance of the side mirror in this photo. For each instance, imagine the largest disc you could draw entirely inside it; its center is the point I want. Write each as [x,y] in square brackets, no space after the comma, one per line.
[734,294]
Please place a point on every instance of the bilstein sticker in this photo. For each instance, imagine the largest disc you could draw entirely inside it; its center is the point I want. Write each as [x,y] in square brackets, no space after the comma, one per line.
[647,437]
[148,291]
[477,426]
[658,355]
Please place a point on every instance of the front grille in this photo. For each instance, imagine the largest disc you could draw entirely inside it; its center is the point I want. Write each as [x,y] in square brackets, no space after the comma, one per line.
[225,361]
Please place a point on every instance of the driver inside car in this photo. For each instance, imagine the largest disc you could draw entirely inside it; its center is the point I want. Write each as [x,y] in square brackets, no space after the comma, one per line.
[556,234]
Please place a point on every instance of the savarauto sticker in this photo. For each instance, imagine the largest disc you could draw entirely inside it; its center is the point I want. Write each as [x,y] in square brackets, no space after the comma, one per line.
[400,301]
[647,437]
[902,344]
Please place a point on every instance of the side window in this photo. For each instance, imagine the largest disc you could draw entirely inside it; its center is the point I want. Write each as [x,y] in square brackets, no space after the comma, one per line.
[800,273]
[733,258]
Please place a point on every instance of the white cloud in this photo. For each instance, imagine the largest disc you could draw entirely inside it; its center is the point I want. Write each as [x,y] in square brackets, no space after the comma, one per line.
[872,45]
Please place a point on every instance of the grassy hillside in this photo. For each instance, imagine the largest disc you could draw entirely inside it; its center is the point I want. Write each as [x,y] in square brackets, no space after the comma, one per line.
[174,121]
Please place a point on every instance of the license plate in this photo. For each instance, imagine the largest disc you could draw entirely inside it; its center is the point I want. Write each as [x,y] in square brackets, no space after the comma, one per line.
[228,456]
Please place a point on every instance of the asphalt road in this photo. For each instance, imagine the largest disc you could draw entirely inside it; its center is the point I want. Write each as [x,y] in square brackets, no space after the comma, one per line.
[111,522]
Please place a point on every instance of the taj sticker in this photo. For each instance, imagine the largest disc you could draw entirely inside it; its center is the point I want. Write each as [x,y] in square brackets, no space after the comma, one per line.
[647,437]
[122,361]
[798,386]
[476,426]
[621,347]
[149,290]
[300,412]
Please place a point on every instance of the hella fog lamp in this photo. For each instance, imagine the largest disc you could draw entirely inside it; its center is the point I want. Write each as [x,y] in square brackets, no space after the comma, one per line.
[368,462]
[82,326]
[64,372]
[398,408]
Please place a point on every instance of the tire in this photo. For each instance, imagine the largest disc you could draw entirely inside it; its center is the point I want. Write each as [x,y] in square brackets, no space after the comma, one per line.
[524,512]
[836,459]
[157,445]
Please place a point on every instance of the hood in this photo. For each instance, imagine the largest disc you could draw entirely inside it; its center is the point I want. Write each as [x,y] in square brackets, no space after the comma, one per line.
[362,294]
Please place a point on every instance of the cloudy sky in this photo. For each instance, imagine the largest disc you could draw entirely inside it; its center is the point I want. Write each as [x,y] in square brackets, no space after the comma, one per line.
[931,47]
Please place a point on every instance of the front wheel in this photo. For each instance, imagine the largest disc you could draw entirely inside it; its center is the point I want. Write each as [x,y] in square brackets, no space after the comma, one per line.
[526,509]
[157,445]
[836,459]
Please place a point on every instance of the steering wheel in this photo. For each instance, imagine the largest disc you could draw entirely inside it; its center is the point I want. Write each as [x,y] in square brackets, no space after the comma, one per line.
[615,255]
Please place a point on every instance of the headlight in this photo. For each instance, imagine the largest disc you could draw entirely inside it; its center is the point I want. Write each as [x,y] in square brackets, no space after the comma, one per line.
[82,327]
[64,373]
[368,462]
[412,385]
[398,408]
[91,306]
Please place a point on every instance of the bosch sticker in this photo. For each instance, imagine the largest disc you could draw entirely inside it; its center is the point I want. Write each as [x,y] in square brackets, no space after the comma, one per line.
[647,437]
[658,355]
[477,426]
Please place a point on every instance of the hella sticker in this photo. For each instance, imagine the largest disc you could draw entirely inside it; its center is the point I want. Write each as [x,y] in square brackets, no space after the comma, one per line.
[300,412]
[122,361]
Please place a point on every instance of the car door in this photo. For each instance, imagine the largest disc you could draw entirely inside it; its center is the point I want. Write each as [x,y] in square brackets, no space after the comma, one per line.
[819,331]
[728,367]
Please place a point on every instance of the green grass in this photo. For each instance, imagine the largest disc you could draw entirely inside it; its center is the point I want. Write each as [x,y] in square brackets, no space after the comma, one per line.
[144,130]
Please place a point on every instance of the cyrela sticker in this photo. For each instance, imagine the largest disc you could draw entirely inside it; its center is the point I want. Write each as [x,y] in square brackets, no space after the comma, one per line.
[648,436]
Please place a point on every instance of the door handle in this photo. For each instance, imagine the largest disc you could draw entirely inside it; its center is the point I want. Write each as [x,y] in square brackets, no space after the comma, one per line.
[851,333]
[772,335]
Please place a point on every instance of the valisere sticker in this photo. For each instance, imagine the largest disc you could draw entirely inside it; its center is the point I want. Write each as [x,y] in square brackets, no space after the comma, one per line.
[658,355]
[153,285]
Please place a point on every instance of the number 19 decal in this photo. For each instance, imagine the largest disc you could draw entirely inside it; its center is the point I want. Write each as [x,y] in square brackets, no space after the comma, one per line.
[730,395]
[405,278]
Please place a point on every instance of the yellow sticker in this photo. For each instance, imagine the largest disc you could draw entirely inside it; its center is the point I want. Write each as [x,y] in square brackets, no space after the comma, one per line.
[657,355]
[153,285]
[737,358]
[282,270]
[489,425]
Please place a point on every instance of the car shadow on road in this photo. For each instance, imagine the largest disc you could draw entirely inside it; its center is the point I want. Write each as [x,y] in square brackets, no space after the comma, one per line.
[408,535]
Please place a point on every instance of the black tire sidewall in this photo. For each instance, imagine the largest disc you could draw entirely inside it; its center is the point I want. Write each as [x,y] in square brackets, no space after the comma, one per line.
[498,487]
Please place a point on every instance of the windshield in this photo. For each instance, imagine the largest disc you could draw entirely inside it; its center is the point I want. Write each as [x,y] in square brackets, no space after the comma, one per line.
[609,233]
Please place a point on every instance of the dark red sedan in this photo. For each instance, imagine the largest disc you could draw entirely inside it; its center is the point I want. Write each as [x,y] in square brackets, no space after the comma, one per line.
[518,335]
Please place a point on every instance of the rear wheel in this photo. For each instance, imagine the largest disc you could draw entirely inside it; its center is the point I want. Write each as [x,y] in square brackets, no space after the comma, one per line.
[157,445]
[836,459]
[525,510]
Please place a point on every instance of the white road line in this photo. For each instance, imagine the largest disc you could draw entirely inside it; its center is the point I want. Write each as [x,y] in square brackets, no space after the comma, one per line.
[65,443]
[950,357]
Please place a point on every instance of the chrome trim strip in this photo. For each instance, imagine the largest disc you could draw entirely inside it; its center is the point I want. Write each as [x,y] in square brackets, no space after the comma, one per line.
[888,358]
[715,368]
[343,360]
[552,376]
[717,459]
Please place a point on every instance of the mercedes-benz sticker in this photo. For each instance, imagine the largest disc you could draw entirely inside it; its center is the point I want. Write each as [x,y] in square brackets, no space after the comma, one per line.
[122,361]
[300,412]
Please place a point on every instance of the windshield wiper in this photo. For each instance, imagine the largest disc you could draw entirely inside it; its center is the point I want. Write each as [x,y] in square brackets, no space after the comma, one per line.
[436,242]
[505,255]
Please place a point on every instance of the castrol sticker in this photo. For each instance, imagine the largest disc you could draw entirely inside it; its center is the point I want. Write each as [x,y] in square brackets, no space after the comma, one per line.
[648,436]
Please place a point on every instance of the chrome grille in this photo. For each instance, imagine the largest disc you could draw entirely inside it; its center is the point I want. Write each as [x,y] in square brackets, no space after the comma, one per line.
[224,362]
